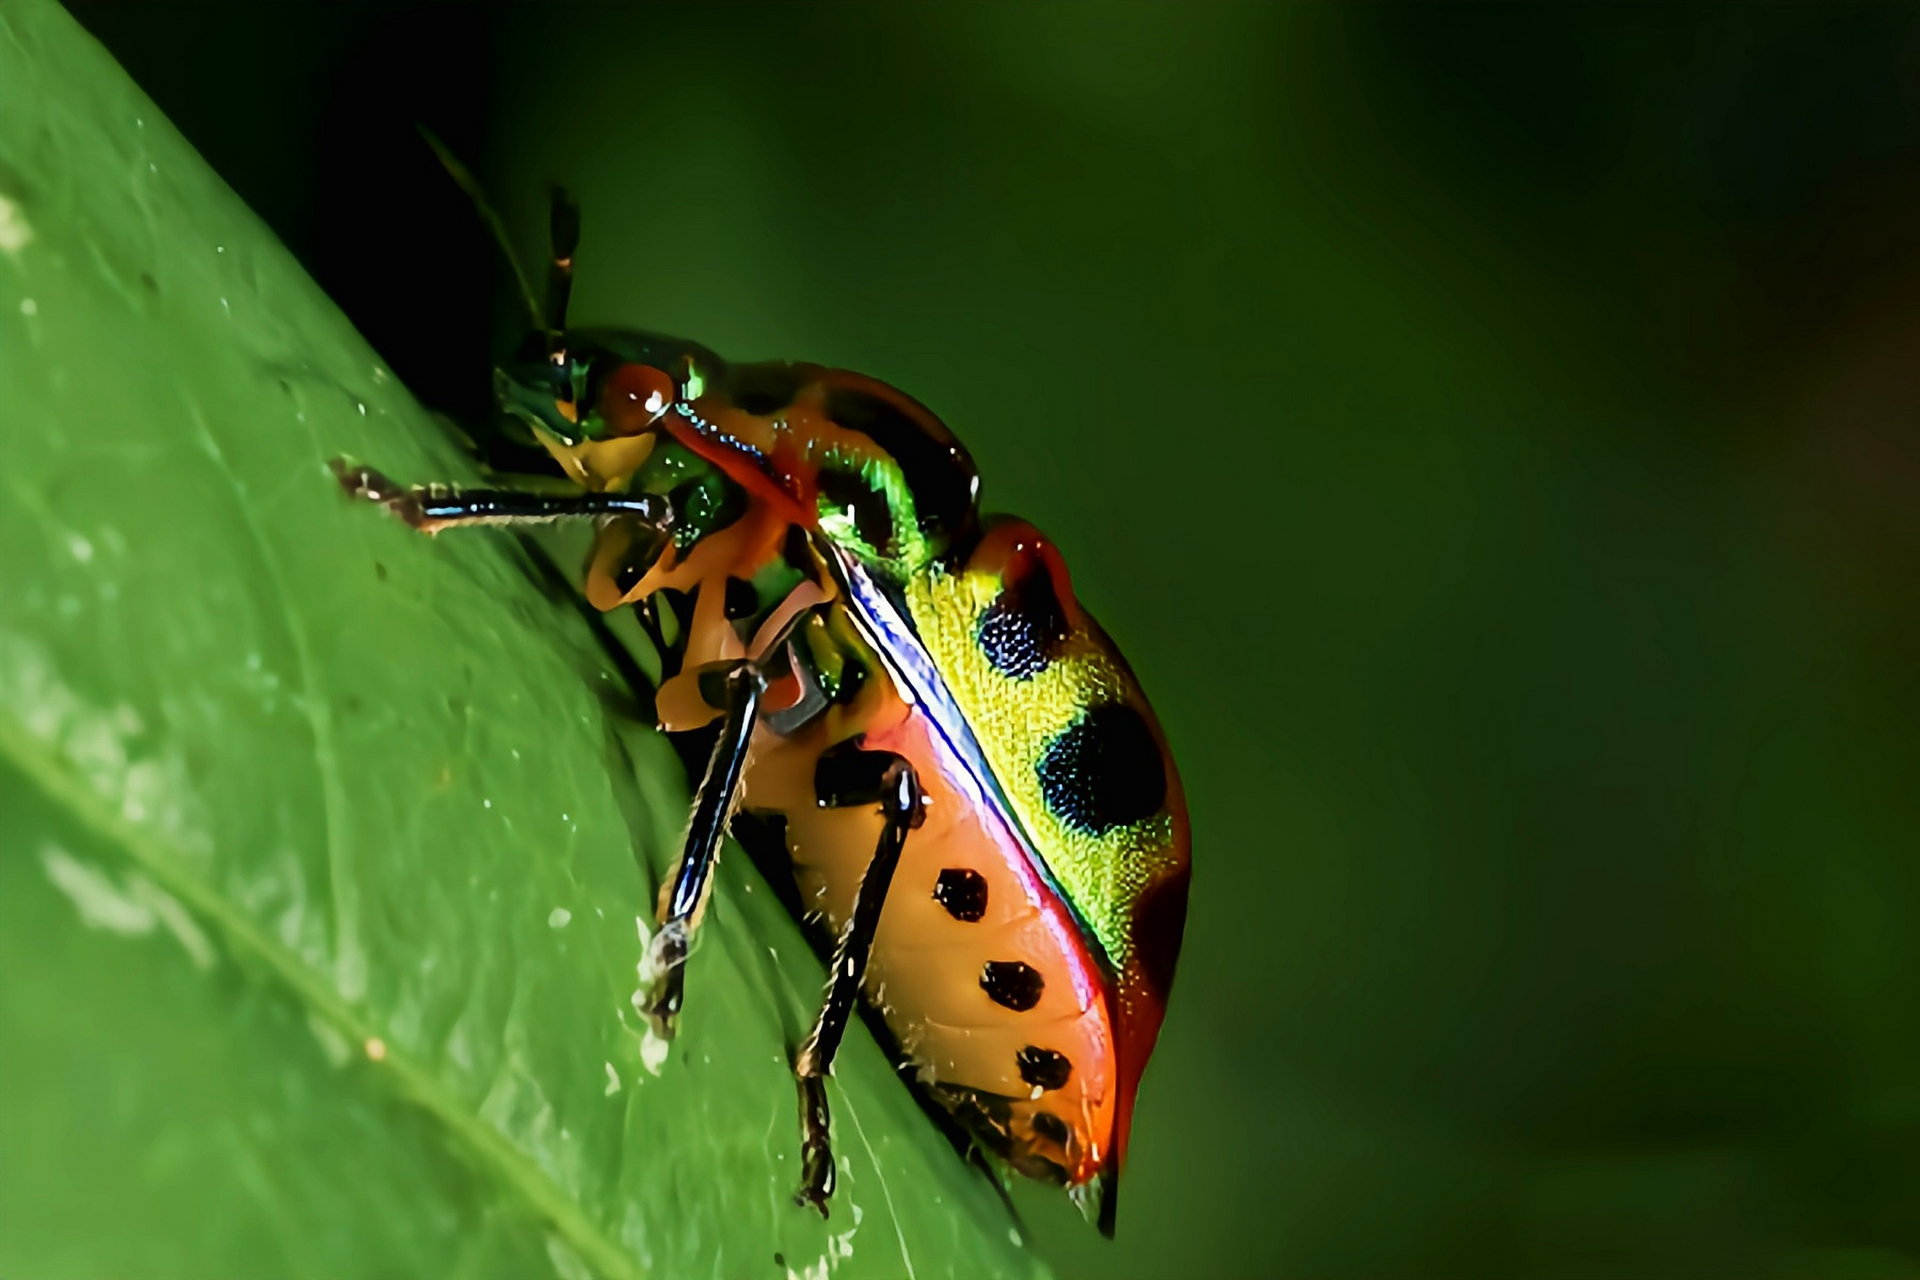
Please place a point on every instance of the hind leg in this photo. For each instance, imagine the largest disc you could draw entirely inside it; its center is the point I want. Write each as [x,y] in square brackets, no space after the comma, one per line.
[845,777]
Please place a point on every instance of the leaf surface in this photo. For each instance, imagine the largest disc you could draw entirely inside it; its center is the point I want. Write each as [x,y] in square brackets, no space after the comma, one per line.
[326,850]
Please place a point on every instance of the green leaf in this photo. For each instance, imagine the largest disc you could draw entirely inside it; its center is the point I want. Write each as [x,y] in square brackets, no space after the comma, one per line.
[324,846]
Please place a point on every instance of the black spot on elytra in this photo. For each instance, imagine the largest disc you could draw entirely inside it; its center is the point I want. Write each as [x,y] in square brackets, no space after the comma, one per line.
[938,471]
[1022,629]
[1044,1068]
[763,389]
[1104,771]
[1051,1127]
[963,892]
[742,600]
[1012,984]
[848,490]
[1158,926]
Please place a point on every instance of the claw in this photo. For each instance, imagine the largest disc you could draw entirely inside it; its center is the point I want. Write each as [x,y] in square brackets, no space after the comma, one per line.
[816,1150]
[665,964]
[807,1197]
[369,485]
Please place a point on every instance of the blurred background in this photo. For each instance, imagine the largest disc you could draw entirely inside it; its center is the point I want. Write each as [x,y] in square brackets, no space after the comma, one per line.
[1492,433]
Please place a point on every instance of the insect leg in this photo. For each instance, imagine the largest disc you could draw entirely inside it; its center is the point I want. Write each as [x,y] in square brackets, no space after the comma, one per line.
[848,776]
[667,953]
[432,509]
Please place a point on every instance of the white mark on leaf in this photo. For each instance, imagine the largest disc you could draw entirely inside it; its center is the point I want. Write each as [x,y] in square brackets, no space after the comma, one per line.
[653,1051]
[559,918]
[132,910]
[613,1079]
[102,904]
[15,232]
[154,792]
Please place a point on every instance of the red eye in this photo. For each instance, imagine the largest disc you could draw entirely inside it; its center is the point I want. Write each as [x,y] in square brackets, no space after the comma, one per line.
[634,397]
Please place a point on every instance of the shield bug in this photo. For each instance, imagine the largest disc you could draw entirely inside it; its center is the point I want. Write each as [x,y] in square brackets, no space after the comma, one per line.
[975,797]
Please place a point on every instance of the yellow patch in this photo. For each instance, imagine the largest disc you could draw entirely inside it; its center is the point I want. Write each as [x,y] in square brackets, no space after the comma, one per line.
[1016,721]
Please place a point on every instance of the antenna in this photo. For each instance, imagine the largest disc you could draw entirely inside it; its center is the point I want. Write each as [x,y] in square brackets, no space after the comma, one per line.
[563,234]
[467,183]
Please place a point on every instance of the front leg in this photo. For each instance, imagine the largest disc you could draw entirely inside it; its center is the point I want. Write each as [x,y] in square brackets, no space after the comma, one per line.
[666,957]
[847,776]
[433,508]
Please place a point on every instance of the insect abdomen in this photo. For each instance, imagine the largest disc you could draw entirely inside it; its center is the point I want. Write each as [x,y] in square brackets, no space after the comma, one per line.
[979,970]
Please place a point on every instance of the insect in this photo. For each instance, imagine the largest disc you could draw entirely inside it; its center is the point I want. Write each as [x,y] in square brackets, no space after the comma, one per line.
[976,798]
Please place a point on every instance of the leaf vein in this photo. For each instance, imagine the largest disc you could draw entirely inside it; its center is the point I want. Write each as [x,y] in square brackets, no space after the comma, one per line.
[37,762]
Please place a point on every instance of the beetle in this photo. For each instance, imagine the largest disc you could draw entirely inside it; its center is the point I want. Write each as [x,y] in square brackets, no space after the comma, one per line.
[976,797]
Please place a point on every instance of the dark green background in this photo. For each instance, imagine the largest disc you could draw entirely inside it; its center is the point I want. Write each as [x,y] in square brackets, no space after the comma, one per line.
[1492,434]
